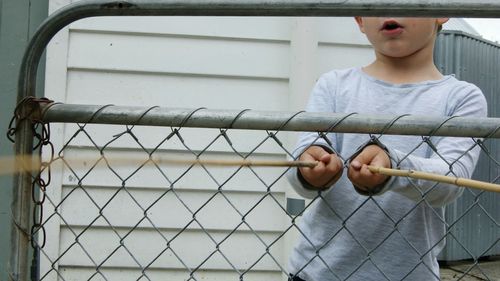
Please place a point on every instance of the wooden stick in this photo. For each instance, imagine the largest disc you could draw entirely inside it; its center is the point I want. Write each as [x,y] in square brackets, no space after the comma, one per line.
[437,178]
[11,165]
[260,163]
[246,163]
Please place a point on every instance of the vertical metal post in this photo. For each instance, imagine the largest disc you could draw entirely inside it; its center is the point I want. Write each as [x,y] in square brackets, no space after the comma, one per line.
[21,206]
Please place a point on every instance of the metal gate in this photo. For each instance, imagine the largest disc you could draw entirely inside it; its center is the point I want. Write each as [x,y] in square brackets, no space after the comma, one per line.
[29,216]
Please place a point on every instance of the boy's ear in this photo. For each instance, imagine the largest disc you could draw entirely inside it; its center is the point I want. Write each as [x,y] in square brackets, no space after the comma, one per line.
[441,21]
[359,21]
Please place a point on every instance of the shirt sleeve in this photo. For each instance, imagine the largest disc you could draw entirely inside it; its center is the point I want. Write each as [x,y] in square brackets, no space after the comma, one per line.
[321,100]
[450,156]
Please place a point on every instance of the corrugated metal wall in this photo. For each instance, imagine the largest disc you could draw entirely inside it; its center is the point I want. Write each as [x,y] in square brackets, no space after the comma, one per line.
[473,219]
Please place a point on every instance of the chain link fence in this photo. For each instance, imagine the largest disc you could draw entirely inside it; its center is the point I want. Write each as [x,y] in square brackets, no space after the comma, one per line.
[177,200]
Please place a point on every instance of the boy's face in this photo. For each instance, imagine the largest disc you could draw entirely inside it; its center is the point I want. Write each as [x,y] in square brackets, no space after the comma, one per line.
[400,37]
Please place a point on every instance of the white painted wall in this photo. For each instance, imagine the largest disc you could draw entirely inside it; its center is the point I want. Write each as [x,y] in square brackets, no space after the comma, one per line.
[230,63]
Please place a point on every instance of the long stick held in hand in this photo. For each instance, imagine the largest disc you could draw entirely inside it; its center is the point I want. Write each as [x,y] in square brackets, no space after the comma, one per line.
[11,165]
[30,163]
[437,178]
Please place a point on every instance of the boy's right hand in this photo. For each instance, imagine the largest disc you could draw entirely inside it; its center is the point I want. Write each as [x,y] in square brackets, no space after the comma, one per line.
[328,170]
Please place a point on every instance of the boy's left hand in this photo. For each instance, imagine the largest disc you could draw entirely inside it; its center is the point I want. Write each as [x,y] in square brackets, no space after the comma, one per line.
[358,172]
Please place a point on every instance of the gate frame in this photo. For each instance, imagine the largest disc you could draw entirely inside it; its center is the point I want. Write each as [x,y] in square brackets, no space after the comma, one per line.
[21,201]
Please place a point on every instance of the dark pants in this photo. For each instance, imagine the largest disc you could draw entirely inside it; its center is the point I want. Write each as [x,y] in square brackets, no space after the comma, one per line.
[295,278]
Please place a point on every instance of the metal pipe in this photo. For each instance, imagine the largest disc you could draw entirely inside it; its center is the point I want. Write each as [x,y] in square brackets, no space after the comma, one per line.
[273,120]
[21,207]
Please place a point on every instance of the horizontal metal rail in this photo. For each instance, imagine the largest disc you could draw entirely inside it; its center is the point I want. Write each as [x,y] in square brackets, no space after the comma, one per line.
[273,120]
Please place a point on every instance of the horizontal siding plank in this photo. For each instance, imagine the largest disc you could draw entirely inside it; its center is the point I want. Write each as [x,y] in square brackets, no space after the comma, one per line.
[130,167]
[143,89]
[124,274]
[196,139]
[340,30]
[168,250]
[172,208]
[264,28]
[179,55]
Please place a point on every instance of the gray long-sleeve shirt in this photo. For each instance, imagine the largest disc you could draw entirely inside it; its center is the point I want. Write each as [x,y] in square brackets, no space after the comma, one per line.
[398,233]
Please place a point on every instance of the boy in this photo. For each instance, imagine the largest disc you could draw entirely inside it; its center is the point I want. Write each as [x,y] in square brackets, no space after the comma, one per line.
[367,226]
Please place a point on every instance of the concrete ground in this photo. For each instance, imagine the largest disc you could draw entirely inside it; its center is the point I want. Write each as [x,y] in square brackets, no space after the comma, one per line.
[466,271]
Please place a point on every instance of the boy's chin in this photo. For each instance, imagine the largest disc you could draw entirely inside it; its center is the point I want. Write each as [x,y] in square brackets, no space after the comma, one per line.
[398,53]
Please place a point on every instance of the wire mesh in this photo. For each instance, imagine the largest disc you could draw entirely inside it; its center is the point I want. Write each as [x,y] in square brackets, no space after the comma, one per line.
[118,208]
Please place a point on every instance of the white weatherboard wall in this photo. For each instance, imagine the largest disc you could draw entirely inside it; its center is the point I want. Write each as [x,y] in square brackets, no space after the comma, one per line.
[213,62]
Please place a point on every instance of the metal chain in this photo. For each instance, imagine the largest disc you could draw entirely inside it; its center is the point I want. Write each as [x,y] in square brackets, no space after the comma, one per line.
[29,109]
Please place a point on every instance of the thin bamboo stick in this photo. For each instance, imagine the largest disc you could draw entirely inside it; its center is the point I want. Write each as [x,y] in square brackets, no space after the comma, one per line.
[246,163]
[11,165]
[437,178]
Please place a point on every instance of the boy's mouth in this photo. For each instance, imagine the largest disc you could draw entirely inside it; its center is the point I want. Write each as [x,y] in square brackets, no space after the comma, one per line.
[392,28]
[391,25]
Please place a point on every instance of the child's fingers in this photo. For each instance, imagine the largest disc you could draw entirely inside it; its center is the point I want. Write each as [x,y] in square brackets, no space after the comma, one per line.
[362,172]
[307,156]
[332,163]
[371,179]
[381,160]
[315,172]
[363,179]
[365,157]
[358,172]
[317,153]
[327,158]
[334,168]
[312,154]
[326,172]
